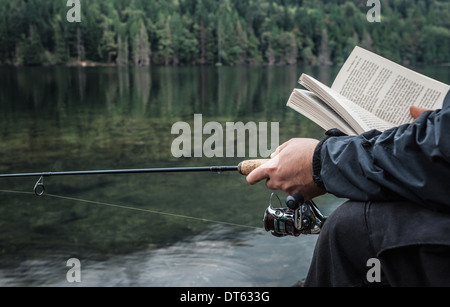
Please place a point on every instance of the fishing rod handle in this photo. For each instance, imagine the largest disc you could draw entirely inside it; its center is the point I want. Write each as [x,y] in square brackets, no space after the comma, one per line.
[246,167]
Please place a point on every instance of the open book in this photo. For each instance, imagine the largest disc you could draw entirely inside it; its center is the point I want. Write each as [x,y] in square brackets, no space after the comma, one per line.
[369,92]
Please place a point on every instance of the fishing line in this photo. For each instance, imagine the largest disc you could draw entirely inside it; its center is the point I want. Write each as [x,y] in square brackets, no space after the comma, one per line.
[130,208]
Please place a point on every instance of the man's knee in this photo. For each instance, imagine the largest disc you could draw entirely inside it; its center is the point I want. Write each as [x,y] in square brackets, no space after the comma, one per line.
[343,248]
[346,219]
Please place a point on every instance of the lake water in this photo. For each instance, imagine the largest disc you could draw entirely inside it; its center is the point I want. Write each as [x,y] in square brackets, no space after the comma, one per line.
[178,229]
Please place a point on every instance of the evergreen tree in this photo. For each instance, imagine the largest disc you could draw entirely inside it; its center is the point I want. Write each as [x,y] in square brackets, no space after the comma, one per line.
[32,48]
[108,46]
[60,52]
[122,51]
[141,46]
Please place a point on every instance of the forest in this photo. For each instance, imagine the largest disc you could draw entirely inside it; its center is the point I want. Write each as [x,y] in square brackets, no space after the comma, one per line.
[220,32]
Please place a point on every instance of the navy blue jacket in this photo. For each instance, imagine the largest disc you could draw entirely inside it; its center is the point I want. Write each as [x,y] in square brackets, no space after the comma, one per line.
[409,162]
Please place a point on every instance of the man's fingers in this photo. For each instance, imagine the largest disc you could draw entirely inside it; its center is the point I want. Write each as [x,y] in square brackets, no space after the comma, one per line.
[257,175]
[276,152]
[269,185]
[416,111]
[261,172]
[279,149]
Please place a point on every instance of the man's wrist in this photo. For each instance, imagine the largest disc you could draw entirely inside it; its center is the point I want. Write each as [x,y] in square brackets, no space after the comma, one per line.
[317,165]
[317,157]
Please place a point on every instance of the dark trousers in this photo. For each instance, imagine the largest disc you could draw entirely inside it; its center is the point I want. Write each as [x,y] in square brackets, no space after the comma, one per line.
[382,244]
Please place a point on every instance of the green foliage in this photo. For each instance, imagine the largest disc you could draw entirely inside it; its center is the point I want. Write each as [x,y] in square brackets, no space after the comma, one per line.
[225,32]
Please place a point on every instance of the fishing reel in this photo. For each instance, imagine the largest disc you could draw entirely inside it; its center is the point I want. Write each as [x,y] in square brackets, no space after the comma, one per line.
[299,217]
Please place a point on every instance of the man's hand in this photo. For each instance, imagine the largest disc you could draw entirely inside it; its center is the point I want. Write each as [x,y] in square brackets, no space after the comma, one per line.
[416,112]
[290,169]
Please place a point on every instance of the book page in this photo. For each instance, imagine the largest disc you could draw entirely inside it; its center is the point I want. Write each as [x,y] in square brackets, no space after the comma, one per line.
[311,106]
[385,88]
[357,117]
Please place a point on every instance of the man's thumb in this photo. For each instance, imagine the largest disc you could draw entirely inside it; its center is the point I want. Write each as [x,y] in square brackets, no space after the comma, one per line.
[416,111]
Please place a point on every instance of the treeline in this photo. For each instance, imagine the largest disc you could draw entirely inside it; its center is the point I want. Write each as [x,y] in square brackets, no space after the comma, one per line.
[220,32]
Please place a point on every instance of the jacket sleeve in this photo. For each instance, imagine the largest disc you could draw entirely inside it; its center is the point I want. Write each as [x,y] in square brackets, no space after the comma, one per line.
[407,162]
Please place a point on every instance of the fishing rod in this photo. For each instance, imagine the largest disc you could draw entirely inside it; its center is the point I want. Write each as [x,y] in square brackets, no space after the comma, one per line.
[298,217]
[244,168]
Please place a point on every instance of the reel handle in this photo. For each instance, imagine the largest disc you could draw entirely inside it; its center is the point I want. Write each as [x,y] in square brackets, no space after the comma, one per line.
[294,201]
[246,167]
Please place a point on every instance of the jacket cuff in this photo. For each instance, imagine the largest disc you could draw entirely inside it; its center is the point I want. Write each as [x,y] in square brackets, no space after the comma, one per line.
[317,159]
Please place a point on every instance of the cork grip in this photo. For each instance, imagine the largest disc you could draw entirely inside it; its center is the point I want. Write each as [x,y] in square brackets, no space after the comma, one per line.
[246,167]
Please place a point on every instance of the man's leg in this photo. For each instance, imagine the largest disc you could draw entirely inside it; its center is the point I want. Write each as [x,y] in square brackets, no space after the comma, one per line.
[417,265]
[410,241]
[342,249]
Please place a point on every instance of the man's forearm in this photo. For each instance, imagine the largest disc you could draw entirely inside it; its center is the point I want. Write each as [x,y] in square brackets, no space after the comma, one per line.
[410,162]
